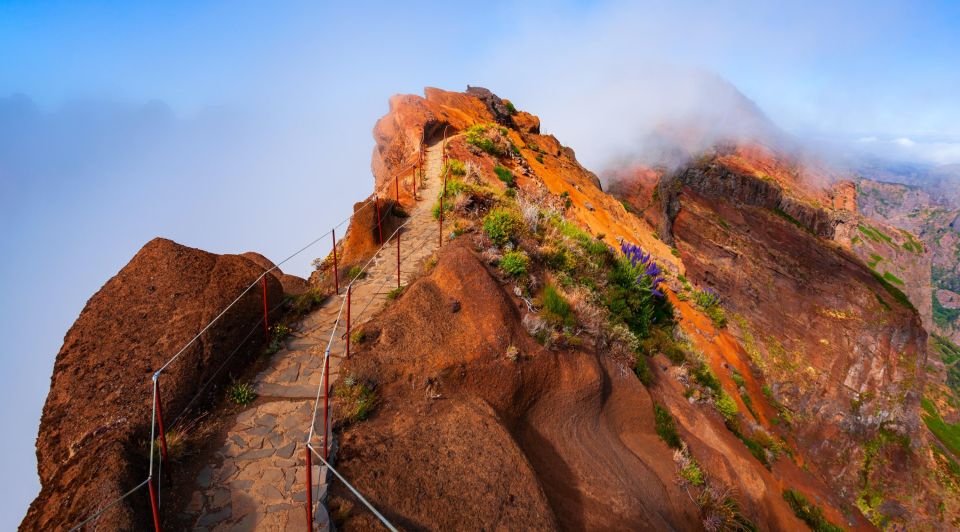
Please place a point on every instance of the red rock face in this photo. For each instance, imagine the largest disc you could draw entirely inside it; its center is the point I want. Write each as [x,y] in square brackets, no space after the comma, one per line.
[94,434]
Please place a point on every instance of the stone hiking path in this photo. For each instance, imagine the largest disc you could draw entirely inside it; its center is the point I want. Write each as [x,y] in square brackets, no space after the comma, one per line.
[257,479]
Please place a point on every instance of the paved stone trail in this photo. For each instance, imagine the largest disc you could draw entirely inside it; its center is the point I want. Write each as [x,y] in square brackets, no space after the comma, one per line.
[256,481]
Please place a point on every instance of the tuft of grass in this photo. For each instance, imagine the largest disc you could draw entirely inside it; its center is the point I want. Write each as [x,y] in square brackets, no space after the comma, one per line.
[727,406]
[476,135]
[505,175]
[641,368]
[357,399]
[356,272]
[704,376]
[510,107]
[666,427]
[502,226]
[809,513]
[692,473]
[455,167]
[514,263]
[358,336]
[556,309]
[241,393]
[395,293]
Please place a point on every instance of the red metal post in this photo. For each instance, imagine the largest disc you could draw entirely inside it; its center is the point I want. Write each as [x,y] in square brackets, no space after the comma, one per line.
[266,322]
[326,411]
[157,405]
[376,201]
[398,259]
[349,290]
[309,490]
[396,184]
[153,505]
[336,271]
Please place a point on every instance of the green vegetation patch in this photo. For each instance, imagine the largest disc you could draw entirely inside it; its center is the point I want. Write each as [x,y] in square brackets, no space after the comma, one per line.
[556,309]
[950,355]
[515,263]
[505,175]
[808,512]
[786,216]
[876,235]
[895,292]
[947,433]
[943,316]
[502,226]
[666,427]
[357,399]
[893,278]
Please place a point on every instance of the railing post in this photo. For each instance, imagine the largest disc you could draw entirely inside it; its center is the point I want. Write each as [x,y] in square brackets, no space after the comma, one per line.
[336,271]
[309,490]
[153,504]
[396,184]
[157,404]
[398,257]
[349,291]
[376,202]
[326,404]
[266,322]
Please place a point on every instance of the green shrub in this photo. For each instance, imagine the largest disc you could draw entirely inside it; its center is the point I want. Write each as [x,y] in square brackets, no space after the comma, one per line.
[357,399]
[692,473]
[556,309]
[641,368]
[514,263]
[708,301]
[395,293]
[666,427]
[727,406]
[661,340]
[704,376]
[358,336]
[504,175]
[539,158]
[502,225]
[356,272]
[241,393]
[511,108]
[808,512]
[630,298]
[477,136]
[455,167]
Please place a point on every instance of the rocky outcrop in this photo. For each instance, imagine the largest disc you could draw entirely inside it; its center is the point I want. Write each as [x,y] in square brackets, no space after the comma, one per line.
[94,433]
[292,284]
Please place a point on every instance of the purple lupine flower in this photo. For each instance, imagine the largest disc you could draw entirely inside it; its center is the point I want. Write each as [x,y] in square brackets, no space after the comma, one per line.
[642,260]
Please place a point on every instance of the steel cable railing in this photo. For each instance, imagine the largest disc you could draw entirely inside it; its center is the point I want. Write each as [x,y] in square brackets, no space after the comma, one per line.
[156,418]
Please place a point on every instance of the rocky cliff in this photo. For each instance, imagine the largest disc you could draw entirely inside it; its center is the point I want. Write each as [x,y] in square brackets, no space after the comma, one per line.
[93,442]
[571,438]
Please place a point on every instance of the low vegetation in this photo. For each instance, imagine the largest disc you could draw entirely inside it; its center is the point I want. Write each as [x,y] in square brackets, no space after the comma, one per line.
[515,263]
[241,393]
[505,175]
[809,513]
[708,301]
[502,226]
[666,427]
[357,399]
[947,433]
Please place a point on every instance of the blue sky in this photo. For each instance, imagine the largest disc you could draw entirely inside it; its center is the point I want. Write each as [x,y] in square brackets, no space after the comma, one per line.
[235,126]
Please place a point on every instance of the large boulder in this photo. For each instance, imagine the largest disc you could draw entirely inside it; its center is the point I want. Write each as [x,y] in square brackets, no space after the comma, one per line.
[93,442]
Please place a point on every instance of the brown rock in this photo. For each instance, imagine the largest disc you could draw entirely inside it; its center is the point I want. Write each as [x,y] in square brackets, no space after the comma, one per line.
[91,446]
